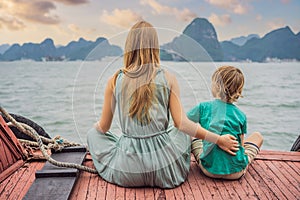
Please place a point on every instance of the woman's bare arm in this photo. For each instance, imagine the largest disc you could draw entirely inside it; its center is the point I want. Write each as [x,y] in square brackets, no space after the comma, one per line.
[108,108]
[242,136]
[226,142]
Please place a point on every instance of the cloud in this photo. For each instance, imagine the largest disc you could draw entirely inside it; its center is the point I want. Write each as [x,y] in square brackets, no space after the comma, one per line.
[277,23]
[285,1]
[222,20]
[235,6]
[38,11]
[121,18]
[11,23]
[258,17]
[73,27]
[159,9]
[15,13]
[72,2]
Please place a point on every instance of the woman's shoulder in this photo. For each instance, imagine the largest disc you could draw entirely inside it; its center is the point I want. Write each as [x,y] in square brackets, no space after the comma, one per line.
[112,81]
[170,77]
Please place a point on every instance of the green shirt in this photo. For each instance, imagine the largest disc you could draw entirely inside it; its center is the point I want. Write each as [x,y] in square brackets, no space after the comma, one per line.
[221,118]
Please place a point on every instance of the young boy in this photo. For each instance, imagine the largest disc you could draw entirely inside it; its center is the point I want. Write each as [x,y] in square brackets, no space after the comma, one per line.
[222,117]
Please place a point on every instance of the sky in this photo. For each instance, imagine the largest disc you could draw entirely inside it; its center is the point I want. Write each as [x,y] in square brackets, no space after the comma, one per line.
[24,21]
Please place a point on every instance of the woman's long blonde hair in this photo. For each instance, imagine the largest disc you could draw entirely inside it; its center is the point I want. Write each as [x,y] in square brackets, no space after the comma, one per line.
[141,59]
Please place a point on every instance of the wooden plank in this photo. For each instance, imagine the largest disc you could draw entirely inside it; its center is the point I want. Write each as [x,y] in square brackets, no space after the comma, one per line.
[10,139]
[11,169]
[236,185]
[93,184]
[51,188]
[3,157]
[71,157]
[200,180]
[271,152]
[120,193]
[58,187]
[10,183]
[140,193]
[263,180]
[295,166]
[257,182]
[84,185]
[254,189]
[149,193]
[76,188]
[247,188]
[186,189]
[268,178]
[102,188]
[178,193]
[278,155]
[44,173]
[4,183]
[10,156]
[194,184]
[169,193]
[280,180]
[6,161]
[26,181]
[74,149]
[225,193]
[14,181]
[1,150]
[159,193]
[215,193]
[93,187]
[129,193]
[290,174]
[111,191]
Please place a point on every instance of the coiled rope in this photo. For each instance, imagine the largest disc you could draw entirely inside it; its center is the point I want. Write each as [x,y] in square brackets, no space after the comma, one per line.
[24,128]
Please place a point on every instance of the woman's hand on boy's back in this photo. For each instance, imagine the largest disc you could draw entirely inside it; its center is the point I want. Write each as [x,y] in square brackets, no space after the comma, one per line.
[228,143]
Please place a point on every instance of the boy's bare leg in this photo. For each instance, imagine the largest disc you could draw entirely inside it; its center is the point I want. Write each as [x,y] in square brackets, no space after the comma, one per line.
[252,145]
[255,138]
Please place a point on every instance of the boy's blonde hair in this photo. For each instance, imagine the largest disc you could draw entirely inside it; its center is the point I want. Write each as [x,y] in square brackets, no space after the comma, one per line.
[227,83]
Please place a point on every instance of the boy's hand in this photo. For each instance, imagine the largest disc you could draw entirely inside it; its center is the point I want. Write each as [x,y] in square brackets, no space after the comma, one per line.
[228,143]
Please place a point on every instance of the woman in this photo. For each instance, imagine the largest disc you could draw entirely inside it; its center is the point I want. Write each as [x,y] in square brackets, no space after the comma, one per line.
[150,152]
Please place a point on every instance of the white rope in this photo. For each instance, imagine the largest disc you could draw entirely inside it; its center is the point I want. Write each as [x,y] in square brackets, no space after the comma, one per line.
[24,128]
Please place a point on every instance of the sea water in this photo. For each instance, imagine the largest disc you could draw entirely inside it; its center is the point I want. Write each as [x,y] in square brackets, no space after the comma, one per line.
[66,98]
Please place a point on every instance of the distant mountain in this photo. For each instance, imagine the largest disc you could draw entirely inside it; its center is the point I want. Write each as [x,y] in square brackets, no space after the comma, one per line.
[243,39]
[199,42]
[75,50]
[3,48]
[30,51]
[87,50]
[281,44]
[230,51]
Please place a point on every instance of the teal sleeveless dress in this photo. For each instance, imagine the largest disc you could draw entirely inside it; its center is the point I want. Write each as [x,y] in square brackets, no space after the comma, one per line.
[156,154]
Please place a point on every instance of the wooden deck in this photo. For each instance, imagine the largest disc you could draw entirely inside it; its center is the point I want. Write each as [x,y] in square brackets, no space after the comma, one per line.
[273,175]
